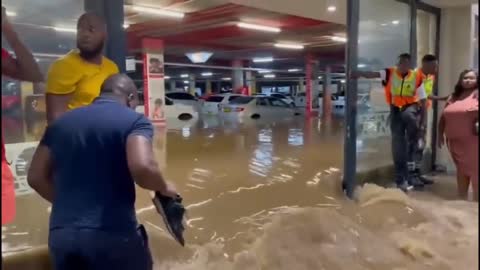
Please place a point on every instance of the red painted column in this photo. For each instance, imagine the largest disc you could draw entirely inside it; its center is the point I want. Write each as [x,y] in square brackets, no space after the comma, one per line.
[308,85]
[153,80]
[327,95]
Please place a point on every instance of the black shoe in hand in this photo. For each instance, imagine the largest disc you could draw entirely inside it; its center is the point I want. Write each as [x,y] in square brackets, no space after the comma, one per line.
[172,212]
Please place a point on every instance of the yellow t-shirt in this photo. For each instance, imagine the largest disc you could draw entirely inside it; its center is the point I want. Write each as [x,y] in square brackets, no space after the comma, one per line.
[71,74]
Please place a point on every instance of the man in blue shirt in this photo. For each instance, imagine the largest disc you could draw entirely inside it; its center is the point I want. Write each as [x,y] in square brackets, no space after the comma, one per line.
[87,165]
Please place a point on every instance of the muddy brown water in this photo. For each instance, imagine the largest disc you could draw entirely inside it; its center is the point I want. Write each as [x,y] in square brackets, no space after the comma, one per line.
[267,196]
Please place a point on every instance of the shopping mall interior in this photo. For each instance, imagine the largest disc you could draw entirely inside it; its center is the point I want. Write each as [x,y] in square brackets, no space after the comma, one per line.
[261,128]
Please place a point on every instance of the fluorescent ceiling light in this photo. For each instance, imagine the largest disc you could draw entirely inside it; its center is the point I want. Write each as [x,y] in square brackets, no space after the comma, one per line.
[361,65]
[332,8]
[184,76]
[259,27]
[160,12]
[185,82]
[226,79]
[395,22]
[262,59]
[383,24]
[343,81]
[269,76]
[65,29]
[339,39]
[166,77]
[207,74]
[264,71]
[294,70]
[289,46]
[320,77]
[11,13]
[199,57]
[126,25]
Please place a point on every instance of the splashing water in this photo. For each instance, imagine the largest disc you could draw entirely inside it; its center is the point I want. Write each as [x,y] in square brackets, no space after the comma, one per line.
[383,229]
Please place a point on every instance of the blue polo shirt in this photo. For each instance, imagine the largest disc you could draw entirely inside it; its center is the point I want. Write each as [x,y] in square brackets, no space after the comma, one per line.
[92,183]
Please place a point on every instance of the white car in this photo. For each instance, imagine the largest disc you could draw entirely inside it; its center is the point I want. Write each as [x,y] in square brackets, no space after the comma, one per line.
[175,111]
[285,98]
[301,100]
[180,97]
[213,104]
[258,107]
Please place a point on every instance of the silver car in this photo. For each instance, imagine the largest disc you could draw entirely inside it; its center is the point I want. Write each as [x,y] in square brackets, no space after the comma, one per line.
[258,107]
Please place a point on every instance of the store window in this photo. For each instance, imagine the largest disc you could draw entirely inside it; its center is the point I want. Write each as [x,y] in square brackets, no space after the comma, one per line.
[384,33]
[426,41]
[47,28]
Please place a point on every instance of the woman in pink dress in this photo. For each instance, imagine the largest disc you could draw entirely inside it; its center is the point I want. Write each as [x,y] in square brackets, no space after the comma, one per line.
[459,126]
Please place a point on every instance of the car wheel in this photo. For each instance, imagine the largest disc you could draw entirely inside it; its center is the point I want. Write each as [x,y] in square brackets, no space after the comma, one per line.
[185,116]
[255,116]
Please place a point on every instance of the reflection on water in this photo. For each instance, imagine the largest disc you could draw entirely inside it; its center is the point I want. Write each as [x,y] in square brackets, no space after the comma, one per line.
[267,196]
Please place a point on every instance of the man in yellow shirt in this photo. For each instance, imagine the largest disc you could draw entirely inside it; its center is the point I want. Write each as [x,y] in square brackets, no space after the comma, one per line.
[75,79]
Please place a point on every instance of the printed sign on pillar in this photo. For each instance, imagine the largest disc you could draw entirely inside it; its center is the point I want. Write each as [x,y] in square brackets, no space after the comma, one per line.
[154,80]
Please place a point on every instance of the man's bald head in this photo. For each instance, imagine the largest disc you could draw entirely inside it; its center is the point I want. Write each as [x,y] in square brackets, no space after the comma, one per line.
[119,84]
[91,35]
[121,87]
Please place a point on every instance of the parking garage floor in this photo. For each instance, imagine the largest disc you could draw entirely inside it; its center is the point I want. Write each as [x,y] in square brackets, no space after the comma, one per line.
[266,195]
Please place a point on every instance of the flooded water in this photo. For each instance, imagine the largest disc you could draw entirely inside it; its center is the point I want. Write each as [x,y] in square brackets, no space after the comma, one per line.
[264,196]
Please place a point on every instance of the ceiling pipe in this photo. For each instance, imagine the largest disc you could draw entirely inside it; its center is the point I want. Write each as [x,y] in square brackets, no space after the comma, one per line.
[230,68]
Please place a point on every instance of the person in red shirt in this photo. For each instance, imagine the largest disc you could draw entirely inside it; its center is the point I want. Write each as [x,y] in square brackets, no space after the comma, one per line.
[22,67]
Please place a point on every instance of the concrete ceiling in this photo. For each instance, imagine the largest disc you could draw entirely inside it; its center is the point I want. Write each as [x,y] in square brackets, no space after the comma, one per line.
[450,3]
[212,27]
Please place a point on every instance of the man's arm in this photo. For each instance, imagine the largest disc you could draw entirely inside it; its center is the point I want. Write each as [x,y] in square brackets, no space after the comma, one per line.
[62,79]
[366,74]
[24,67]
[56,105]
[40,173]
[422,96]
[141,160]
[438,98]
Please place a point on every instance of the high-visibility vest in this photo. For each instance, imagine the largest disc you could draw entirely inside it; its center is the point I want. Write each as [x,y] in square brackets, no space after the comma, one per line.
[428,81]
[401,91]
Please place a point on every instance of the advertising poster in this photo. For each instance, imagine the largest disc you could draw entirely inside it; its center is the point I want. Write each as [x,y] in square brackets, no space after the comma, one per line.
[154,87]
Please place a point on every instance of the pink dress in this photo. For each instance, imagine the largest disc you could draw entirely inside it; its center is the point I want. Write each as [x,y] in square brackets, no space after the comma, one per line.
[460,116]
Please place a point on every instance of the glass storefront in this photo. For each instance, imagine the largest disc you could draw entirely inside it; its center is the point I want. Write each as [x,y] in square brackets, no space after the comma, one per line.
[426,44]
[384,30]
[47,28]
[381,30]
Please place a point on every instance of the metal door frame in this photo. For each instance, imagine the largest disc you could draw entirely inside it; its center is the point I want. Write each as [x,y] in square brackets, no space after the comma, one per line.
[350,146]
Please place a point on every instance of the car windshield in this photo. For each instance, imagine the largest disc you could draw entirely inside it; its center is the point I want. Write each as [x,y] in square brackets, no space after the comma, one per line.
[214,99]
[241,100]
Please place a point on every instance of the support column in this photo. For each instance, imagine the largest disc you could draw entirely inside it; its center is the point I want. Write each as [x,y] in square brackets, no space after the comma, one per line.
[219,87]
[301,86]
[308,86]
[237,77]
[153,79]
[208,87]
[250,78]
[327,100]
[191,84]
[113,12]
[173,85]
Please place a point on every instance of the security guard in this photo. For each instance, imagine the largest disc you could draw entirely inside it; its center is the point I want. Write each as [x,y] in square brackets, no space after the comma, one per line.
[407,101]
[427,75]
